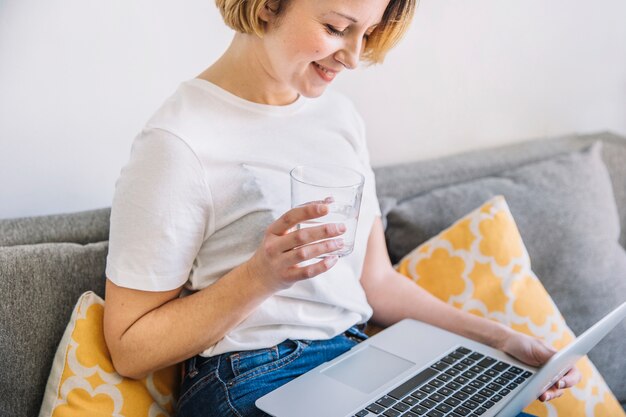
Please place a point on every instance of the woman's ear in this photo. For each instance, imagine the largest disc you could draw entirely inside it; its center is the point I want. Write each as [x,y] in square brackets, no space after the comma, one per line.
[269,12]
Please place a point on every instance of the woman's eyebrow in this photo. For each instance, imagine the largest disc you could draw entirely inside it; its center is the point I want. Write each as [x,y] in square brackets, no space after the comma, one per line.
[346,16]
[350,18]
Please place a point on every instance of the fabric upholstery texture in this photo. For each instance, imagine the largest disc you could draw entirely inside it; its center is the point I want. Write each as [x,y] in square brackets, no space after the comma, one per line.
[402,181]
[39,287]
[83,381]
[565,210]
[480,265]
[83,227]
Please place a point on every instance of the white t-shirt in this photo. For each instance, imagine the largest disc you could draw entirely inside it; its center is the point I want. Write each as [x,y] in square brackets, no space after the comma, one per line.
[207,176]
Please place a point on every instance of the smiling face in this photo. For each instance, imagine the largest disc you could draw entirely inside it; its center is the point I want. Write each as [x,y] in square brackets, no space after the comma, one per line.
[311,41]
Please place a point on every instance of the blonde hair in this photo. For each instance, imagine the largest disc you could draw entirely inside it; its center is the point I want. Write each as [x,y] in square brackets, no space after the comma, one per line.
[244,16]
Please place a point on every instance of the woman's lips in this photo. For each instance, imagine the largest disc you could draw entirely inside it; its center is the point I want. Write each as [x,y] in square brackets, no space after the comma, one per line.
[325,73]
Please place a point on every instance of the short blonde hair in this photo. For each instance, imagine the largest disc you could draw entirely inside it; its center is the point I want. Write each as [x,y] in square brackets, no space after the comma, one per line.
[244,16]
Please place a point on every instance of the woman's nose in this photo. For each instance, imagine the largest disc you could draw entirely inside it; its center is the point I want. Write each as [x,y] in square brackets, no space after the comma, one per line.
[349,56]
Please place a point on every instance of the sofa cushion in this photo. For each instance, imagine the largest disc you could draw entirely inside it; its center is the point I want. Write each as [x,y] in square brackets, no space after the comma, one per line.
[83,381]
[83,227]
[401,181]
[39,286]
[480,265]
[565,210]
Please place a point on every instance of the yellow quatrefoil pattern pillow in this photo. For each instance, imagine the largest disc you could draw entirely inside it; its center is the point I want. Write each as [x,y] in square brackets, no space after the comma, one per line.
[480,265]
[83,381]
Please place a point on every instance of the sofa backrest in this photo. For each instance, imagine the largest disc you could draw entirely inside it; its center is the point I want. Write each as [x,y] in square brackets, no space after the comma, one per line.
[402,181]
[46,263]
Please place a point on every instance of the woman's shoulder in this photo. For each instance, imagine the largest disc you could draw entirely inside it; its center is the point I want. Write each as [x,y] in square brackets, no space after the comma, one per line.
[185,99]
[187,111]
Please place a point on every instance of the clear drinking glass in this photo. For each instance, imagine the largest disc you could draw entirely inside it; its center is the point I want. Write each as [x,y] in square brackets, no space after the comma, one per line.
[317,183]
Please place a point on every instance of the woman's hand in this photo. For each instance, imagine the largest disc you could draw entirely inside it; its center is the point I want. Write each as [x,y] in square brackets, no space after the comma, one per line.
[535,352]
[276,260]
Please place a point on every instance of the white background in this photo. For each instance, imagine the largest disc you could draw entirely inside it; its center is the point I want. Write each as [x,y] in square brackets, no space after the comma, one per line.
[79,78]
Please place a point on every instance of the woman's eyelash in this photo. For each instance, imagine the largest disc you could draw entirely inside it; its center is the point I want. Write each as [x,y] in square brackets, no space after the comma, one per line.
[334,31]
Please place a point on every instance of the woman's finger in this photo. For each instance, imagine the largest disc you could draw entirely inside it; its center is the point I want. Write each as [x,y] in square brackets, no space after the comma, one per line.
[297,215]
[571,378]
[327,200]
[298,273]
[556,394]
[309,235]
[546,395]
[313,250]
[551,394]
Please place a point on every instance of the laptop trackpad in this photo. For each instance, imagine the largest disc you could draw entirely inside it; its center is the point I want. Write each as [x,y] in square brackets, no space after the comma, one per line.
[368,369]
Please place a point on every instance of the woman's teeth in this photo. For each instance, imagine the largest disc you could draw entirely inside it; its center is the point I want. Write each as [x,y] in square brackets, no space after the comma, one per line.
[321,67]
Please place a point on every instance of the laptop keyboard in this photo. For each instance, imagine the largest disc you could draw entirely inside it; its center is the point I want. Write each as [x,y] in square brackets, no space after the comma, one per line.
[462,383]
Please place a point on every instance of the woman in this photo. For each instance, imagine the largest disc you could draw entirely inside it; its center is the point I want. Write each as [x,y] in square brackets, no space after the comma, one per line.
[204,263]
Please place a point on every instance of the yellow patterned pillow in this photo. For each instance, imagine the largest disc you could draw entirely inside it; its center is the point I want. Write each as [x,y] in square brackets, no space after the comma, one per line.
[83,381]
[480,265]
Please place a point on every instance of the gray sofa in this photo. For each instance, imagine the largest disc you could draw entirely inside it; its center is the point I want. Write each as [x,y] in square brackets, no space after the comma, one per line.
[47,262]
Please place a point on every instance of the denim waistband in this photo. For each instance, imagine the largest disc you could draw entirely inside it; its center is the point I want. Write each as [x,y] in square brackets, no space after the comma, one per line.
[356,332]
[191,365]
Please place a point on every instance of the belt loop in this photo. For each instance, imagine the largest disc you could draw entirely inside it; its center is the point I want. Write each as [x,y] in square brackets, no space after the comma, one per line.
[356,333]
[192,371]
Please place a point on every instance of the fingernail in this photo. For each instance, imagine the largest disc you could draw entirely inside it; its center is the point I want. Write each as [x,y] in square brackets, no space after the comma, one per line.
[339,243]
[322,208]
[330,260]
[341,227]
[561,384]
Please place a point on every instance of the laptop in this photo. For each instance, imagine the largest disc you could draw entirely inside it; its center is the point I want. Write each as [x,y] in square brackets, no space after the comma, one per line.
[412,369]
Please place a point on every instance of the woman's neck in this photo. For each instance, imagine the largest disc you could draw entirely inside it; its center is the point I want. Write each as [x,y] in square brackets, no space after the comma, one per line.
[244,71]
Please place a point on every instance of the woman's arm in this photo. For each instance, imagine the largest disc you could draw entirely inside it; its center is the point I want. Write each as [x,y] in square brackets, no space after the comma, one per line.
[393,297]
[146,331]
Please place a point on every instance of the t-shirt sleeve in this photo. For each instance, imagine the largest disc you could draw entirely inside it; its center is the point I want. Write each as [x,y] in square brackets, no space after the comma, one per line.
[160,216]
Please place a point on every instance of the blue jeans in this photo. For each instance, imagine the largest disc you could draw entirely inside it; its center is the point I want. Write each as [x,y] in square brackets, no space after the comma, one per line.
[227,385]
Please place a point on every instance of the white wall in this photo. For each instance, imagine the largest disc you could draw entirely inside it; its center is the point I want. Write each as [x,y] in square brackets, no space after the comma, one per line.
[78,78]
